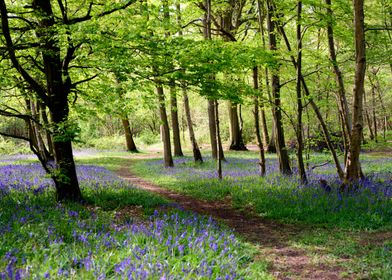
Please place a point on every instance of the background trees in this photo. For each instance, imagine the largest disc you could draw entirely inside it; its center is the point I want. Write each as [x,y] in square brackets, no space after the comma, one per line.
[116,67]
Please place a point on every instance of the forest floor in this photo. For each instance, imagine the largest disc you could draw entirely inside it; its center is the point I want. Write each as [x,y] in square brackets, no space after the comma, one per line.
[272,238]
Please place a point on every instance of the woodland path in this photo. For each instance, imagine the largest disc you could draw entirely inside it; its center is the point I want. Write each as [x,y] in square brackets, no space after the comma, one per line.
[272,238]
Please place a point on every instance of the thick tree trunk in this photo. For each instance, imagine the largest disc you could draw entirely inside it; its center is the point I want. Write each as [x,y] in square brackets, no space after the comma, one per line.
[64,176]
[175,123]
[353,168]
[257,122]
[300,145]
[195,147]
[236,141]
[131,146]
[58,86]
[281,150]
[167,155]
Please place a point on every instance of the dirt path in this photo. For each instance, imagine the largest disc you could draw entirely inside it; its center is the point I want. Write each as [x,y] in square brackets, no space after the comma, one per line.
[287,262]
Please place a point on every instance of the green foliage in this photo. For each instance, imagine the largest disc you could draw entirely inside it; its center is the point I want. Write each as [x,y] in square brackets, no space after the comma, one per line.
[10,147]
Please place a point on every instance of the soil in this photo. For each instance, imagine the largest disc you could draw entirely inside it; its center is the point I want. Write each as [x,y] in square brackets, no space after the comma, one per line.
[271,237]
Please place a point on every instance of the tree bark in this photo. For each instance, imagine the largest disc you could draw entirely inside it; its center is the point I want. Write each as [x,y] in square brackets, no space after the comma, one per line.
[368,117]
[216,146]
[264,127]
[212,128]
[131,146]
[58,89]
[219,142]
[343,105]
[257,122]
[165,132]
[175,123]
[195,147]
[300,145]
[236,141]
[374,116]
[353,169]
[45,120]
[281,150]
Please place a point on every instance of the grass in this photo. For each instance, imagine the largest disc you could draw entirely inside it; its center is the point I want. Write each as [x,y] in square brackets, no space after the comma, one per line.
[280,197]
[43,239]
[334,223]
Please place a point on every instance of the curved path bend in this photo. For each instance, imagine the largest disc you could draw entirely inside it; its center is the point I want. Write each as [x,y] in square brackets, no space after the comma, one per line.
[272,238]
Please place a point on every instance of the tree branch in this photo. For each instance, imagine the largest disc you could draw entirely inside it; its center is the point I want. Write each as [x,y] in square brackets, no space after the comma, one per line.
[14,136]
[83,81]
[88,16]
[38,88]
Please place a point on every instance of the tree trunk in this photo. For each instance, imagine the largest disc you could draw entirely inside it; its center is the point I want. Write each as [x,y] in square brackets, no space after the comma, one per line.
[64,176]
[257,122]
[374,111]
[300,145]
[175,123]
[315,108]
[264,127]
[368,117]
[212,128]
[281,150]
[131,146]
[49,139]
[216,144]
[343,105]
[165,132]
[353,168]
[237,143]
[218,138]
[58,88]
[195,147]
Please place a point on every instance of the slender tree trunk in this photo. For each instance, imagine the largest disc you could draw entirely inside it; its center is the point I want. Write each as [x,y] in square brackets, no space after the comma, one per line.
[212,128]
[218,138]
[301,165]
[211,102]
[49,139]
[195,147]
[131,146]
[262,111]
[167,155]
[343,105]
[175,123]
[353,168]
[281,150]
[374,111]
[315,108]
[264,127]
[257,122]
[35,133]
[368,117]
[215,149]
